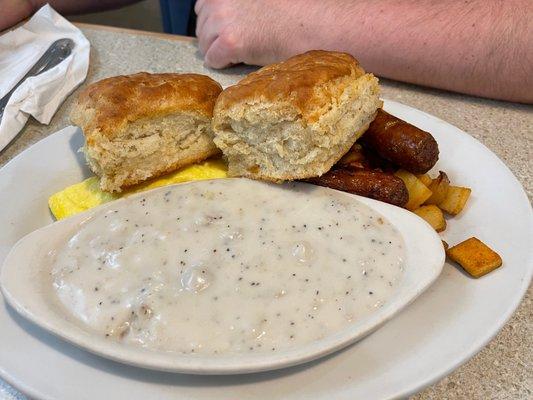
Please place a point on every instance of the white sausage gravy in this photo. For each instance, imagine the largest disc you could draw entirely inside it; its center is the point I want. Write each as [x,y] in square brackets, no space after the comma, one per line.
[227,266]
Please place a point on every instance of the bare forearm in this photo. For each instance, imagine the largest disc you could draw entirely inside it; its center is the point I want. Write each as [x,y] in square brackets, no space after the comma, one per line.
[480,47]
[14,11]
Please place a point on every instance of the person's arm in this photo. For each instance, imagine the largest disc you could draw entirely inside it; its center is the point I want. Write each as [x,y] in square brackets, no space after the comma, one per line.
[14,11]
[479,47]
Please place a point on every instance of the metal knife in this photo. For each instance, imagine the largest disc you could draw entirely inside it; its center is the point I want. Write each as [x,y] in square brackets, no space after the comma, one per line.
[57,52]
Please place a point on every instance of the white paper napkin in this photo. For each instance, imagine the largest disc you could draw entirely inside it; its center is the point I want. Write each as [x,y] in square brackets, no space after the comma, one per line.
[39,96]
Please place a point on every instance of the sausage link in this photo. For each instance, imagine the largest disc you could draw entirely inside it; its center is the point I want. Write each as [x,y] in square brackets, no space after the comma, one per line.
[401,143]
[373,184]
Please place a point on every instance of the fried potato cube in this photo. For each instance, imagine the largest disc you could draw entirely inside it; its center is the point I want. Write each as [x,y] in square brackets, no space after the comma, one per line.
[433,216]
[425,179]
[455,199]
[418,192]
[475,257]
[439,187]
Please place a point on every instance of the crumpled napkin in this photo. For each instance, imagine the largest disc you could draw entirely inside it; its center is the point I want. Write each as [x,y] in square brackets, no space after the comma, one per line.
[39,96]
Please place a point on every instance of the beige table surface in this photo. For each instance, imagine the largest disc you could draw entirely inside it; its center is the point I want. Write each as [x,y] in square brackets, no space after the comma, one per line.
[503,369]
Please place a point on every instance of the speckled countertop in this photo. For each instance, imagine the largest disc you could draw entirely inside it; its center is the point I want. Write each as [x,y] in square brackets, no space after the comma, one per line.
[502,370]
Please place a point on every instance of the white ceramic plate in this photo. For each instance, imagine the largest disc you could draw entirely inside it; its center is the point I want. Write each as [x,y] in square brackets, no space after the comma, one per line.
[26,268]
[442,329]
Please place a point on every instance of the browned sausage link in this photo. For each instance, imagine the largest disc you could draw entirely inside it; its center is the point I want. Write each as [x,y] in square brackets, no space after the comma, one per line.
[374,184]
[402,143]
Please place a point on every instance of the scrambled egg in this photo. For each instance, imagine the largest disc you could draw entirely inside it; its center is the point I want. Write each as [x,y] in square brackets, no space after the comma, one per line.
[87,194]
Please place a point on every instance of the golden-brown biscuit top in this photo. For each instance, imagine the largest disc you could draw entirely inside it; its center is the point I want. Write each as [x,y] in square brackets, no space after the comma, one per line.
[295,80]
[106,106]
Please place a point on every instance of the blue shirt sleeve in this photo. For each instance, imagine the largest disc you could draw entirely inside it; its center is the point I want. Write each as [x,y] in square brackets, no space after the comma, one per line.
[178,16]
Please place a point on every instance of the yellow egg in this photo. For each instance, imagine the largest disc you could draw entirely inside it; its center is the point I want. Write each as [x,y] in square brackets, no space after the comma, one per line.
[87,194]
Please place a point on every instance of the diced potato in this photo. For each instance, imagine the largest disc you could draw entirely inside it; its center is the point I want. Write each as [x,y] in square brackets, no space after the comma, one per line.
[475,257]
[433,216]
[439,187]
[425,179]
[445,245]
[455,199]
[418,192]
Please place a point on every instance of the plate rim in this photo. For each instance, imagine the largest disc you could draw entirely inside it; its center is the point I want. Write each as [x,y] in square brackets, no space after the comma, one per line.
[480,343]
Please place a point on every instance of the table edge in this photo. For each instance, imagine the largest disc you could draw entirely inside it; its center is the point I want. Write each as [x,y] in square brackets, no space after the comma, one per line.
[137,32]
